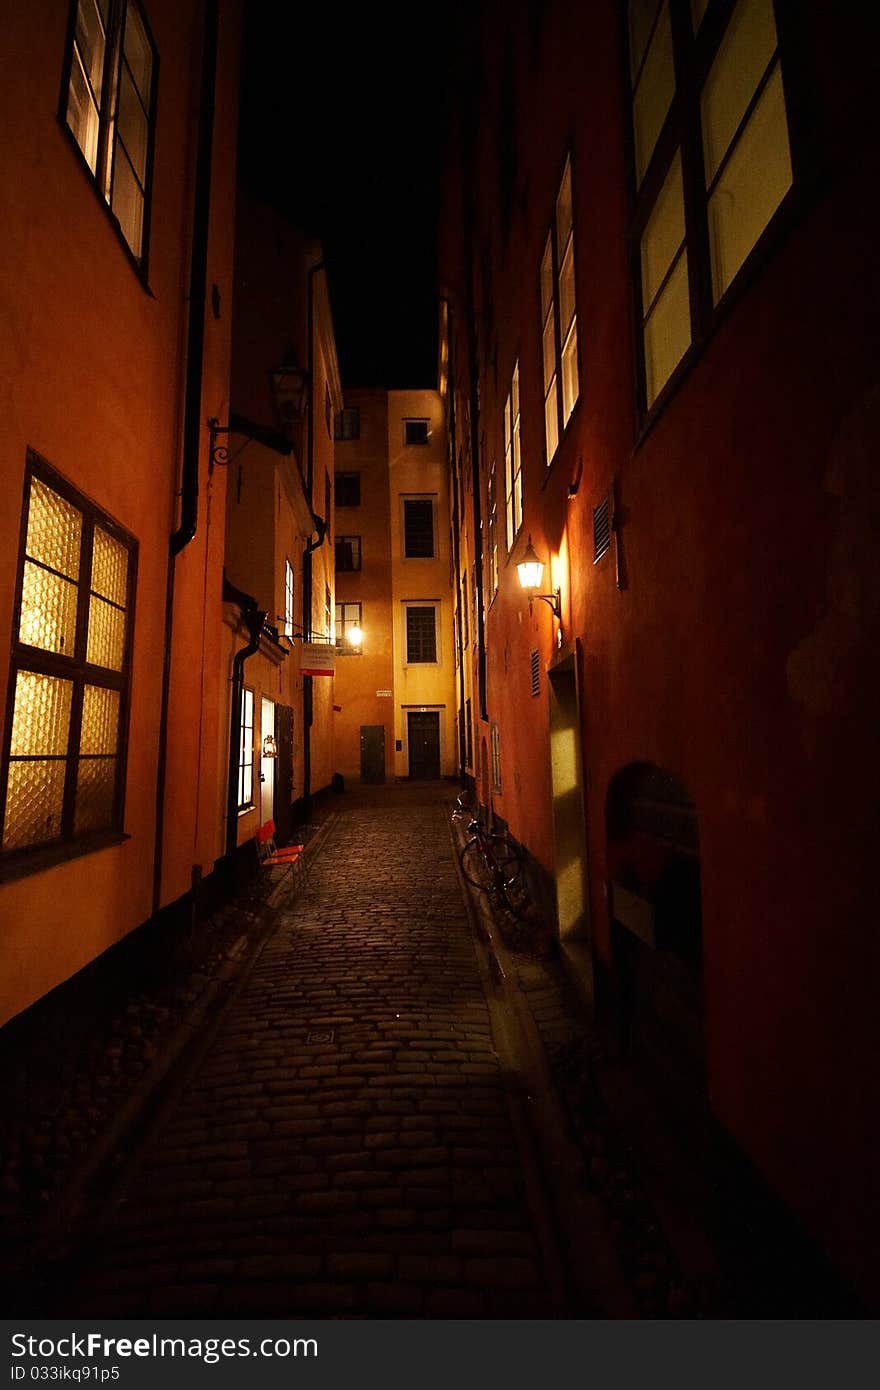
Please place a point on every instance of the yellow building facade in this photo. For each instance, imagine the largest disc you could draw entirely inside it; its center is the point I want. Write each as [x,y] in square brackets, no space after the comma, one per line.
[395,673]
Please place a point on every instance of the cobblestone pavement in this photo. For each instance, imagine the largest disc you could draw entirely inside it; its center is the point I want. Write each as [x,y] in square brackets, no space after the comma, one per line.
[345,1147]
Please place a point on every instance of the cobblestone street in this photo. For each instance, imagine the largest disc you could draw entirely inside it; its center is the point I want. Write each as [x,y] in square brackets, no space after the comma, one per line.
[345,1145]
[379,1102]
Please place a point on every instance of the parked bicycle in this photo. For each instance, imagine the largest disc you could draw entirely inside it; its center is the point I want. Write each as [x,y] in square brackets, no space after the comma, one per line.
[491,862]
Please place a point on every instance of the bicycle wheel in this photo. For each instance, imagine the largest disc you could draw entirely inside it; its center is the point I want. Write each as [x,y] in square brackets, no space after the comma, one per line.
[497,869]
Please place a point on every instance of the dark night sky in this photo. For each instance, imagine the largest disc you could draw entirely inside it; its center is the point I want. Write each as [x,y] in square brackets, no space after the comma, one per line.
[342,126]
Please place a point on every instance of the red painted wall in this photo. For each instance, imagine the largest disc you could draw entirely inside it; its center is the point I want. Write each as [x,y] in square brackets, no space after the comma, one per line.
[740,654]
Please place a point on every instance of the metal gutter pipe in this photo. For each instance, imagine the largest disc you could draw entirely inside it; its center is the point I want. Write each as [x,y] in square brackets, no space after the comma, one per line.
[192,422]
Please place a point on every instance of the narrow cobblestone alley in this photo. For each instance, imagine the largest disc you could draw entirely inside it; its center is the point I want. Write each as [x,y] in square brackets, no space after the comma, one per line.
[345,1146]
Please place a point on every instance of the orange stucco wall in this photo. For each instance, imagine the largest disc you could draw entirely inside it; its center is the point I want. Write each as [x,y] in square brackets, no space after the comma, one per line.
[92,366]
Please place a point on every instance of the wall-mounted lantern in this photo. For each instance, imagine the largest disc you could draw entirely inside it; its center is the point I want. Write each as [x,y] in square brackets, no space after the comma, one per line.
[531,572]
[290,389]
[270,747]
[355,636]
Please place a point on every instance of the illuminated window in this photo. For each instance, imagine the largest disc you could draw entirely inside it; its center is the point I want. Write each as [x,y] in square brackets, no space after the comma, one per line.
[288,599]
[246,754]
[512,461]
[712,164]
[559,319]
[64,755]
[348,616]
[109,104]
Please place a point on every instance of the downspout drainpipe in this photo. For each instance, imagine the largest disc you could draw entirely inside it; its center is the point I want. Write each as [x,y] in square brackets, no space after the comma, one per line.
[307,555]
[192,421]
[253,619]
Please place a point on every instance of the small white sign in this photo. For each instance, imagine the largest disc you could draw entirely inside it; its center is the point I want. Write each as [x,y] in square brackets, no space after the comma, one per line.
[384,694]
[317,660]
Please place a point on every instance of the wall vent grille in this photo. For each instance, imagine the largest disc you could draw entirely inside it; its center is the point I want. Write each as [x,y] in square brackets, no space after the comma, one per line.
[535,664]
[601,530]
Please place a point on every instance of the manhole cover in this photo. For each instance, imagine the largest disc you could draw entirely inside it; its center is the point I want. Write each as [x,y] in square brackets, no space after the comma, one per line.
[321,1035]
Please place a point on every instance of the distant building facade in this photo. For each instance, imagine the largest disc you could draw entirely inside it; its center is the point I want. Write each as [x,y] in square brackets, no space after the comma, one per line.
[395,670]
[286,396]
[662,369]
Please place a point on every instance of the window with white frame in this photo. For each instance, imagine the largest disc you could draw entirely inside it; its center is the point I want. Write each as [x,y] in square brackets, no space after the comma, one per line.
[288,599]
[713,164]
[246,752]
[421,633]
[513,492]
[63,760]
[109,108]
[559,319]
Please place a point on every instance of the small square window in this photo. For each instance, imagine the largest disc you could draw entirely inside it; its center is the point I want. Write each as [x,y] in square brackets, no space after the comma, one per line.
[415,431]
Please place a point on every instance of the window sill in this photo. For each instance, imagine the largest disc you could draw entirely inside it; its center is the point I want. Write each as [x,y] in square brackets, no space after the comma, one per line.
[569,426]
[23,863]
[791,213]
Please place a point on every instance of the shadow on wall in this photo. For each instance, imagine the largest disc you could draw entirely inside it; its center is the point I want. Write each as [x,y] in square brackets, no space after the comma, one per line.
[653,861]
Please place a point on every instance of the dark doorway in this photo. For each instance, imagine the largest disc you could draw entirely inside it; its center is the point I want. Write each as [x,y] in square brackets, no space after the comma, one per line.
[373,753]
[423,741]
[283,773]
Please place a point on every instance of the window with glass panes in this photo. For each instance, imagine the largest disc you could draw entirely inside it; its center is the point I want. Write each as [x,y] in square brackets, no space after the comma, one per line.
[712,163]
[348,554]
[348,616]
[246,752]
[109,105]
[559,319]
[421,634]
[512,461]
[63,777]
[348,489]
[418,527]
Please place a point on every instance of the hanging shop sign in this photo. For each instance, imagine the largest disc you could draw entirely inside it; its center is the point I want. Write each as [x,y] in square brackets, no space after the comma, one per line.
[317,659]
